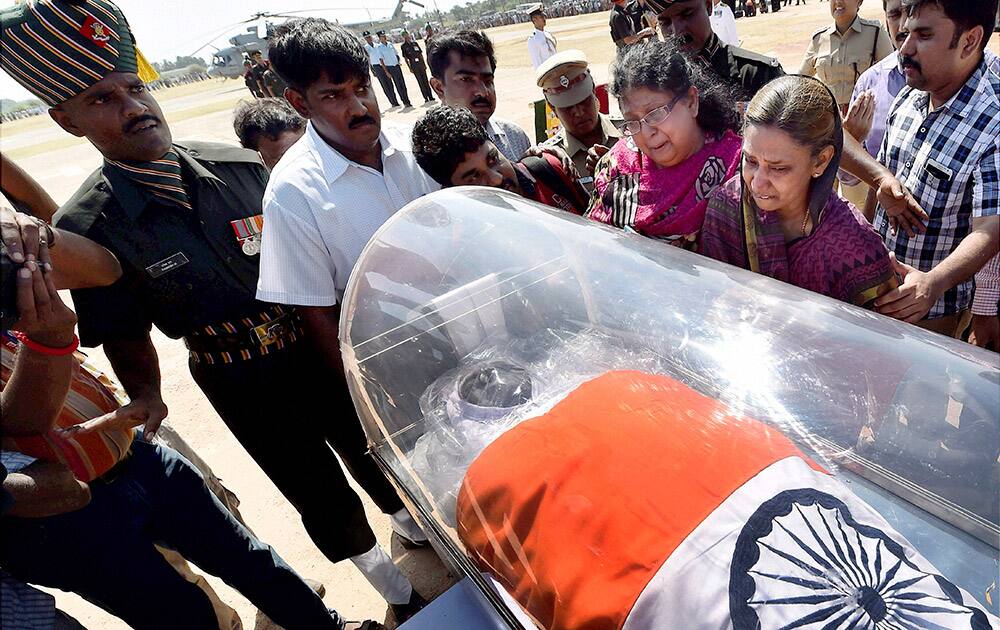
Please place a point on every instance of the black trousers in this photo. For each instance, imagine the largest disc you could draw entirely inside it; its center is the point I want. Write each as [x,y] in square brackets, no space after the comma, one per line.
[290,412]
[105,552]
[386,84]
[396,74]
[419,71]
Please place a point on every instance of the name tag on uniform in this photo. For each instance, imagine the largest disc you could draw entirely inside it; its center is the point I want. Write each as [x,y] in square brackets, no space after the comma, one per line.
[167,265]
[939,170]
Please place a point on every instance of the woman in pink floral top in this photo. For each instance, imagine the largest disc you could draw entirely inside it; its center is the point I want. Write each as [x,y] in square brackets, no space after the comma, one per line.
[679,145]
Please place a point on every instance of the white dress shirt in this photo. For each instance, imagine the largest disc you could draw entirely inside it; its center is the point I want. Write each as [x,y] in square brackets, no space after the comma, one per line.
[321,209]
[724,24]
[541,46]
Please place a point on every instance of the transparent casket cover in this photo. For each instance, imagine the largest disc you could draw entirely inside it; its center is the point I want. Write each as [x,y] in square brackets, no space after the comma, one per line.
[472,311]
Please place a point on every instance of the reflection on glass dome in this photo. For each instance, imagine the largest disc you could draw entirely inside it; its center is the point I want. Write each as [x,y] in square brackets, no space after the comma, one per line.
[604,431]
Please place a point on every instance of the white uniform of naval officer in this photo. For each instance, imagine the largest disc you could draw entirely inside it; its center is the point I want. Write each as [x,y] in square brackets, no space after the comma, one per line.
[541,43]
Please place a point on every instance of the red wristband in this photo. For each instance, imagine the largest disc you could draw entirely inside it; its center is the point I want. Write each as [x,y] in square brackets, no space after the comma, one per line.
[46,350]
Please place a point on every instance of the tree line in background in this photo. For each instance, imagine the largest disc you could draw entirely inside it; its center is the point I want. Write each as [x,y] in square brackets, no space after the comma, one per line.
[473,10]
[182,61]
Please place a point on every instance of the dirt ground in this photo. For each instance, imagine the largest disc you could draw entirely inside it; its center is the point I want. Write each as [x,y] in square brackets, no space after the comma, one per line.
[203,111]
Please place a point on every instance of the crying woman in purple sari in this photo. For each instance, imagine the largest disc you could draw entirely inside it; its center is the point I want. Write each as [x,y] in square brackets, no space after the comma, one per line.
[781,217]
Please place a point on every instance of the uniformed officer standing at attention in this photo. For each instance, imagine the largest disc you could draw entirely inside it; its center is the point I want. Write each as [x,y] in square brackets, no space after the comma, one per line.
[839,53]
[541,43]
[415,62]
[185,221]
[569,88]
[428,36]
[690,20]
[378,68]
[390,62]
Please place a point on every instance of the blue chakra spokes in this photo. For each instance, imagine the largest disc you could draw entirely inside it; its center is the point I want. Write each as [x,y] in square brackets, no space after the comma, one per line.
[802,561]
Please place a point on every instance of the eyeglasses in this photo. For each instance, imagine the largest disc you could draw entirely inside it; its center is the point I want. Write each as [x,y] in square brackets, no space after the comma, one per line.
[653,118]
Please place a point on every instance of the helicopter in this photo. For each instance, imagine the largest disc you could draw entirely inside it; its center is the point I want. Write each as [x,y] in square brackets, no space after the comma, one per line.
[228,62]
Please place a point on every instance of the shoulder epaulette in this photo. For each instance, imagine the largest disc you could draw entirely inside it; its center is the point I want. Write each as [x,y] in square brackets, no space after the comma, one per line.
[752,56]
[218,152]
[86,205]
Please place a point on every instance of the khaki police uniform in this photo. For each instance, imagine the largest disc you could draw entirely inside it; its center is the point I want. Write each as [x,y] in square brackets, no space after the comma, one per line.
[577,151]
[838,60]
[565,80]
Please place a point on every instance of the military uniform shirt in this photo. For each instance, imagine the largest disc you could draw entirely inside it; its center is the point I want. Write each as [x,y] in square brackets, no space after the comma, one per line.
[388,53]
[621,25]
[374,54]
[412,53]
[182,269]
[541,46]
[577,151]
[838,60]
[747,71]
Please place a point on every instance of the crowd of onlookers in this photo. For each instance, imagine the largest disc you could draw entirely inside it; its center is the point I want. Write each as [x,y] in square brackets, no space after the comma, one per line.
[245,253]
[184,78]
[560,8]
[26,112]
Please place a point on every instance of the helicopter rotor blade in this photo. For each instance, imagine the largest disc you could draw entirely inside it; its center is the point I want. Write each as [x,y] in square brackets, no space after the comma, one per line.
[261,17]
[219,33]
[308,11]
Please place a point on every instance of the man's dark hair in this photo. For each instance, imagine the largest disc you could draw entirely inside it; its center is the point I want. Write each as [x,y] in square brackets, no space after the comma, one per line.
[465,43]
[441,139]
[303,49]
[667,67]
[966,14]
[268,117]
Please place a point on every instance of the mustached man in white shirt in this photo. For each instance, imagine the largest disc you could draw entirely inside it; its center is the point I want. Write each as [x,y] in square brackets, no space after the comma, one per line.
[541,43]
[326,197]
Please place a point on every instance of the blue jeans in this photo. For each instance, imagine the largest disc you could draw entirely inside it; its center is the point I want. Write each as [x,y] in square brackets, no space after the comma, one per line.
[105,553]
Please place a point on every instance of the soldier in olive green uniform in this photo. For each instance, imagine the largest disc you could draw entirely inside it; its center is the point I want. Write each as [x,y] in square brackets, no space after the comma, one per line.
[690,21]
[747,71]
[185,221]
[569,89]
[840,52]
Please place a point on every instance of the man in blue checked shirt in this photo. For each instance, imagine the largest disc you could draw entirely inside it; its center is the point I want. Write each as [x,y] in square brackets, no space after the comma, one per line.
[943,143]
